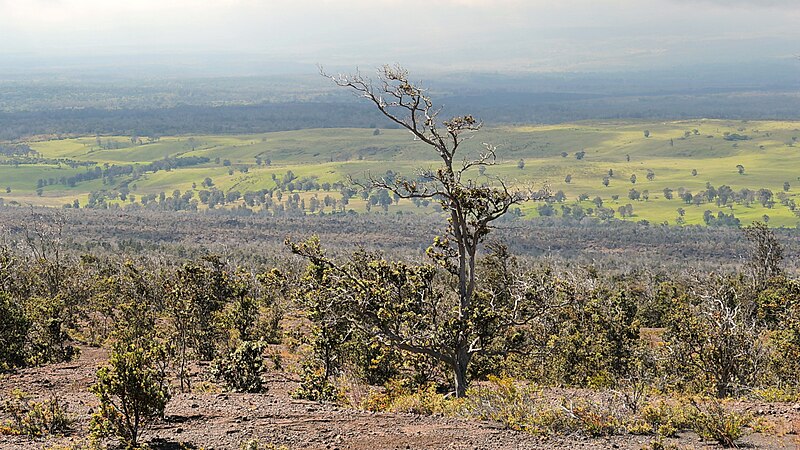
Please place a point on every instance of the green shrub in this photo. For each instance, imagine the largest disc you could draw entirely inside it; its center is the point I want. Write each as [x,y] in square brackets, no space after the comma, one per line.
[48,340]
[315,385]
[505,401]
[665,419]
[775,394]
[591,341]
[242,367]
[35,419]
[713,341]
[371,361]
[132,390]
[14,326]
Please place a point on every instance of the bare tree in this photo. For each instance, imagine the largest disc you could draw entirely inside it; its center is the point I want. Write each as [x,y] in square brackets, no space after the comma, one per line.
[715,332]
[767,254]
[471,207]
[42,236]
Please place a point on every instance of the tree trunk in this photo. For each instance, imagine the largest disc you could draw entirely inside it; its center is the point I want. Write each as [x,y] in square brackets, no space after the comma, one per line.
[461,382]
[460,372]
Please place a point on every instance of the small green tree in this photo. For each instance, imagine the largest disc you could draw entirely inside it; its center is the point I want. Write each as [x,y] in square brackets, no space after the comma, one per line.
[197,294]
[14,326]
[133,391]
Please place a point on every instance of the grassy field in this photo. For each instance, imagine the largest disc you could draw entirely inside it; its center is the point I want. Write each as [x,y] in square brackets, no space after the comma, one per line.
[671,151]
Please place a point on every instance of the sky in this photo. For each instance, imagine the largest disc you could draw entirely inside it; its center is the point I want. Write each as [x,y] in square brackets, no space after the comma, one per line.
[484,35]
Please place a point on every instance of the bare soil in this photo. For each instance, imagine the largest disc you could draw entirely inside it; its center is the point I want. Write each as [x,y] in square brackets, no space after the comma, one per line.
[224,421]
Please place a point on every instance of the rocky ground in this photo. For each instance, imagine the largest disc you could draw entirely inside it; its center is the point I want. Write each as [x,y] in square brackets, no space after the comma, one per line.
[216,420]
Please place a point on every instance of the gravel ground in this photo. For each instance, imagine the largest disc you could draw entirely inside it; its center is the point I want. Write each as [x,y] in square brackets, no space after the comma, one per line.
[225,421]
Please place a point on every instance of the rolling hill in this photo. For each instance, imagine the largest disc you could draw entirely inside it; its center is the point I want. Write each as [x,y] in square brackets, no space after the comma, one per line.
[757,160]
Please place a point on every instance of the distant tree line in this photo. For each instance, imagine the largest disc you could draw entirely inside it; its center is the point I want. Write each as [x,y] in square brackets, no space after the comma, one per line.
[500,108]
[231,119]
[9,150]
[112,171]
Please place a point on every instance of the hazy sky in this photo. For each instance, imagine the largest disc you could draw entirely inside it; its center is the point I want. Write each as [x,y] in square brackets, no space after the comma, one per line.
[498,35]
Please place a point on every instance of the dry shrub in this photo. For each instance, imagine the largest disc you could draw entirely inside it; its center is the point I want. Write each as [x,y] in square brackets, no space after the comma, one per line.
[34,419]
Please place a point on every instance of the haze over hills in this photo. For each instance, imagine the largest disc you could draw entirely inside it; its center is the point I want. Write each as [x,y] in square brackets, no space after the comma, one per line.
[238,66]
[443,35]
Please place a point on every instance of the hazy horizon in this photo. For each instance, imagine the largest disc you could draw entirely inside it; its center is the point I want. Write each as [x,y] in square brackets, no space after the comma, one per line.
[508,36]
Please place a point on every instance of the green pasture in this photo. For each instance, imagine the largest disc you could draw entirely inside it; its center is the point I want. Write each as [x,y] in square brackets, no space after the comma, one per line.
[24,177]
[672,150]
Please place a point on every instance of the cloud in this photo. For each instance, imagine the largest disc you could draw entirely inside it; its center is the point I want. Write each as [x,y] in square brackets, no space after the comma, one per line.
[490,33]
[792,5]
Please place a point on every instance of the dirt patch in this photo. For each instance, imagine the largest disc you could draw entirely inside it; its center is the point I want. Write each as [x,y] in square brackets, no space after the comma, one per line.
[225,420]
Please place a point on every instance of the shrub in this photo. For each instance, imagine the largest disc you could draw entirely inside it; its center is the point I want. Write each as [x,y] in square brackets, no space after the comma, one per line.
[396,397]
[35,419]
[242,367]
[315,385]
[665,419]
[521,407]
[775,394]
[132,390]
[591,341]
[198,293]
[713,337]
[14,326]
[48,340]
[425,401]
[255,444]
[592,419]
[713,422]
[504,401]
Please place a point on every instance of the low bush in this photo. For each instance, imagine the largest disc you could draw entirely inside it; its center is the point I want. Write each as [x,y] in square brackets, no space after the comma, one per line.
[713,422]
[255,444]
[35,419]
[241,369]
[315,385]
[665,418]
[397,397]
[593,419]
[506,401]
[522,407]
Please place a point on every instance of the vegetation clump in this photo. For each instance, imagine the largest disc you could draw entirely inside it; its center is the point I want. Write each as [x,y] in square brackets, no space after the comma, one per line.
[133,391]
[713,422]
[242,368]
[35,419]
